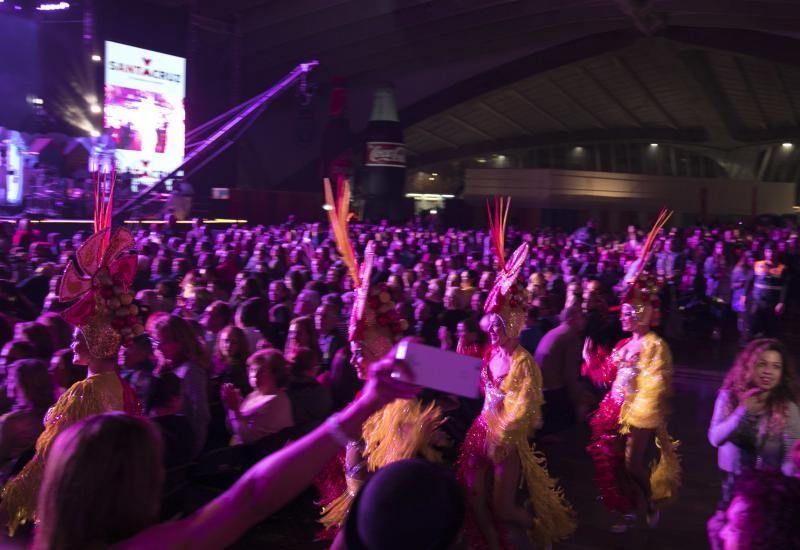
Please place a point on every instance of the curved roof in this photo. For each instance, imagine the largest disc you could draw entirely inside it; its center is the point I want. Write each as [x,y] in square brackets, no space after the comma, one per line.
[474,76]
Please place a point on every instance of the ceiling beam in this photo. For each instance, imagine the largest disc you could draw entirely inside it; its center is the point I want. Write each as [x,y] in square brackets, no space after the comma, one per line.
[699,68]
[645,135]
[610,95]
[620,61]
[432,135]
[784,89]
[576,103]
[533,105]
[508,120]
[468,126]
[751,91]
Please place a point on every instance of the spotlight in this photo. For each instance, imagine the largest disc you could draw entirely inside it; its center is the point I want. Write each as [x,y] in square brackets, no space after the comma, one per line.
[53,7]
[787,145]
[431,178]
[434,174]
[96,58]
[433,212]
[654,145]
[327,207]
[482,161]
[94,133]
[95,109]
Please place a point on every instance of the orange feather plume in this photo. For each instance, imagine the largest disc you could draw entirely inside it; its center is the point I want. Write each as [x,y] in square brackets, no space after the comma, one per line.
[497,226]
[338,208]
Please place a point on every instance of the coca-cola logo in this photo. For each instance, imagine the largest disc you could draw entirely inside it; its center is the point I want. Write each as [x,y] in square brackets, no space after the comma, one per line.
[381,153]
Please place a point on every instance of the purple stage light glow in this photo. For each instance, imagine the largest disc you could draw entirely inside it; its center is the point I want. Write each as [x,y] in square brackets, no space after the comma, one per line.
[53,7]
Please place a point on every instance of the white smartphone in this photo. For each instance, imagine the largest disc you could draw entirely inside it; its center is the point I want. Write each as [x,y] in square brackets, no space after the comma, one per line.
[442,370]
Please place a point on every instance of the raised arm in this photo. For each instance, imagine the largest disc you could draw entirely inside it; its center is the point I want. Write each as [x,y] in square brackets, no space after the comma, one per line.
[726,420]
[276,479]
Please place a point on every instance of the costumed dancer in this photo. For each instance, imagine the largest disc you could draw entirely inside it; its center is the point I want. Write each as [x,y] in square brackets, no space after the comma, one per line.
[634,412]
[105,318]
[497,453]
[402,429]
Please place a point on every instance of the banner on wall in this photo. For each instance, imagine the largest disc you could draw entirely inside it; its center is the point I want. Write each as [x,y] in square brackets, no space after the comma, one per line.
[144,110]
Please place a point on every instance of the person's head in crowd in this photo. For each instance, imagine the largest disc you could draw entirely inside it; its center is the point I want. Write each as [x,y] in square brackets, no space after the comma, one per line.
[167,291]
[149,300]
[268,371]
[419,289]
[127,450]
[407,504]
[277,292]
[198,301]
[454,298]
[250,287]
[16,350]
[307,302]
[138,355]
[63,370]
[250,313]
[161,267]
[39,337]
[769,252]
[304,364]
[573,316]
[232,345]
[478,301]
[295,280]
[469,279]
[763,513]
[532,317]
[764,364]
[60,331]
[164,396]
[175,342]
[468,331]
[422,312]
[436,291]
[28,385]
[335,300]
[301,335]
[180,267]
[326,318]
[216,316]
[486,281]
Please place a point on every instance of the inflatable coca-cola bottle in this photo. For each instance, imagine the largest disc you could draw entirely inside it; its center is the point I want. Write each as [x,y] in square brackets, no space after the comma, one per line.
[336,152]
[383,175]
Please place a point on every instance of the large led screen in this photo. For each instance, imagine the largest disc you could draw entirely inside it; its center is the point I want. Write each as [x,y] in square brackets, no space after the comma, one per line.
[143,111]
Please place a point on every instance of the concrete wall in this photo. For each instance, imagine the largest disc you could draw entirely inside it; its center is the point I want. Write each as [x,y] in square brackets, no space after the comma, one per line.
[579,190]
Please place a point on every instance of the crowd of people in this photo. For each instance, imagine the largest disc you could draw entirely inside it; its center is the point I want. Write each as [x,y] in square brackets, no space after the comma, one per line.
[241,338]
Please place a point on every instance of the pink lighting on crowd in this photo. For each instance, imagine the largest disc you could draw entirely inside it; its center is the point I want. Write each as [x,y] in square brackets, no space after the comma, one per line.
[53,7]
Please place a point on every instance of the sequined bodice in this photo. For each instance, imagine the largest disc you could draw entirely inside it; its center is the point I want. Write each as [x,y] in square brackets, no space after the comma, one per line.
[627,369]
[493,394]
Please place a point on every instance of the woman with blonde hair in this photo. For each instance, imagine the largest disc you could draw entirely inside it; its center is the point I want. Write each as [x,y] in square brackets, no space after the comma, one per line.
[179,350]
[756,419]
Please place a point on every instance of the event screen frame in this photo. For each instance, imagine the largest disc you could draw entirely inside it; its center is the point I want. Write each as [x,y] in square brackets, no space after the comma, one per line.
[143,110]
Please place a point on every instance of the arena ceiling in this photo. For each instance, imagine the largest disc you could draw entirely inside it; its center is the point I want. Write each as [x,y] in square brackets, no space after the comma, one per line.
[475,76]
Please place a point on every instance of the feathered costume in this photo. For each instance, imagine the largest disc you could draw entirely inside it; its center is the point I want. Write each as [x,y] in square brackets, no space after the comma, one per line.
[98,282]
[402,429]
[512,408]
[640,390]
